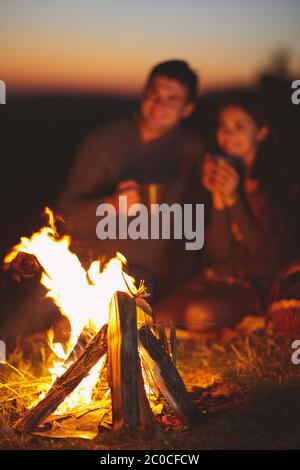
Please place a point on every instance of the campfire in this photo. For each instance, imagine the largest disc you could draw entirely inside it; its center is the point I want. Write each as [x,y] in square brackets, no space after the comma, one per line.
[112,331]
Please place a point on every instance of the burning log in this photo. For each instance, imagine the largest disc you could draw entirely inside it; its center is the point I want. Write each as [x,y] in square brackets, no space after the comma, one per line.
[21,266]
[166,377]
[66,383]
[173,341]
[166,337]
[83,340]
[160,333]
[130,406]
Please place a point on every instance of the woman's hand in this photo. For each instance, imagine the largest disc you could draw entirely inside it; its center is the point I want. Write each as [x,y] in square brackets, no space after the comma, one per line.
[227,181]
[209,173]
[221,180]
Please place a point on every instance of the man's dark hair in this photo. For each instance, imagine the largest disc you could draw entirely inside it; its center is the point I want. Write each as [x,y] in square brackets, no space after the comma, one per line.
[177,70]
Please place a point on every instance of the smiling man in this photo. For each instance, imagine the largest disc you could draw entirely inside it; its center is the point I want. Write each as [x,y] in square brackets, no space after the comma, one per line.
[152,149]
[167,99]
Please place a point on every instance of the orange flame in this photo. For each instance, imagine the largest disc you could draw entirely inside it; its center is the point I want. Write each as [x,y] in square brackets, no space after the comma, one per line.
[82,296]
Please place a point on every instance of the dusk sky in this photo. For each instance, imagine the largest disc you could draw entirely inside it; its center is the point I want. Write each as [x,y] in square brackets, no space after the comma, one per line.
[97,45]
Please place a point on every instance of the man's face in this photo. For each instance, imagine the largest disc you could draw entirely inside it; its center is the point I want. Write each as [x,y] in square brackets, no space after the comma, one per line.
[165,104]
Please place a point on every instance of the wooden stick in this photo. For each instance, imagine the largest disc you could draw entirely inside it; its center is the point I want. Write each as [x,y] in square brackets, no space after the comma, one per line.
[166,376]
[84,338]
[162,336]
[173,342]
[130,407]
[66,383]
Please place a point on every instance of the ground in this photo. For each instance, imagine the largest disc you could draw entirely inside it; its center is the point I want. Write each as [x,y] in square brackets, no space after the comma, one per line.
[247,389]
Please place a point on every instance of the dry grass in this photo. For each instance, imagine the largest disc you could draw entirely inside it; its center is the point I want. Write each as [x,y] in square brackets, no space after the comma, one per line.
[247,389]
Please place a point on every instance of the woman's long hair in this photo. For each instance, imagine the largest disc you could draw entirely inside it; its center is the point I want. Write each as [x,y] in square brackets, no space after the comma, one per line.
[271,166]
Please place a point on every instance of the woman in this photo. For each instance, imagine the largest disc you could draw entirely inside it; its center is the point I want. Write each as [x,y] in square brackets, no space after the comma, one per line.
[246,238]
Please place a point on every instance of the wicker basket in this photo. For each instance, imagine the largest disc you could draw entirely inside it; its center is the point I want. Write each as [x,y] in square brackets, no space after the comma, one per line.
[284,301]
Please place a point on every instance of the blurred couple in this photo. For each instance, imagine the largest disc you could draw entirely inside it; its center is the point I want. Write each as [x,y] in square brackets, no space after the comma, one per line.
[236,177]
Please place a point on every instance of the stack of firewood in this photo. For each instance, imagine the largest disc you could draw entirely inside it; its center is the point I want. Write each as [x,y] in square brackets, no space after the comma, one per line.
[136,348]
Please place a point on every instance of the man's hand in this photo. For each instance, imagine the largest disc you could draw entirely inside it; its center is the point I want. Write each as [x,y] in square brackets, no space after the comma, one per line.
[130,189]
